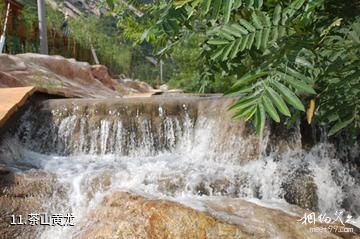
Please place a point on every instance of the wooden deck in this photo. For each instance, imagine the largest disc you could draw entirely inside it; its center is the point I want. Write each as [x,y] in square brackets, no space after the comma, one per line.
[11,99]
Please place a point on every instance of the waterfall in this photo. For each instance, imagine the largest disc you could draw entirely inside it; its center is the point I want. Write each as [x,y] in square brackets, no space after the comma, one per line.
[175,149]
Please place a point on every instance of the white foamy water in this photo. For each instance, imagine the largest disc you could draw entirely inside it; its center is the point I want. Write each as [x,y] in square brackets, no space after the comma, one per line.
[176,157]
[87,179]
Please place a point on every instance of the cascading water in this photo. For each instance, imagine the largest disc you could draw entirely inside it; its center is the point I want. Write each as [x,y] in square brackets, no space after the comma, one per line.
[178,149]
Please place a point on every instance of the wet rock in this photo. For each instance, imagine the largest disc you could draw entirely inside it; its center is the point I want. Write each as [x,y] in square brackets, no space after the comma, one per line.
[101,73]
[131,125]
[301,190]
[283,139]
[3,170]
[126,215]
[235,140]
[136,86]
[31,184]
[20,195]
[270,222]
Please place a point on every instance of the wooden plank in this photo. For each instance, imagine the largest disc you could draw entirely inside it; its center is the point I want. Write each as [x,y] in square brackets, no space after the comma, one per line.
[11,99]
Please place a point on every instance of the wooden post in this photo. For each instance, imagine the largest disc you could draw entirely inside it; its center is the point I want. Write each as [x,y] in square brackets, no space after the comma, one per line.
[161,72]
[2,39]
[93,52]
[44,48]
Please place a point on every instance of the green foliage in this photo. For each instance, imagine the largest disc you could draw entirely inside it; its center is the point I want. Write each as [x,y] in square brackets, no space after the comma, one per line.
[54,19]
[2,14]
[30,18]
[340,79]
[282,53]
[186,60]
[89,32]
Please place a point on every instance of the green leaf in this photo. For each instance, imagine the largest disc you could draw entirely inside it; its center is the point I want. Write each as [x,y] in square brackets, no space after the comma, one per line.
[289,96]
[250,77]
[226,35]
[278,101]
[299,85]
[298,4]
[249,3]
[231,31]
[250,114]
[265,37]
[227,51]
[256,120]
[236,48]
[339,126]
[282,31]
[247,25]
[244,112]
[270,109]
[276,15]
[251,40]
[258,38]
[256,21]
[216,9]
[227,9]
[237,4]
[206,6]
[216,54]
[182,3]
[296,74]
[239,29]
[259,3]
[303,62]
[262,117]
[265,19]
[244,43]
[244,102]
[235,91]
[217,42]
[275,34]
[284,18]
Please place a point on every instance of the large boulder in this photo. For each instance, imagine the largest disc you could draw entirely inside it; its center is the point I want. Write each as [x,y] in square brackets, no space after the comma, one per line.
[101,73]
[126,215]
[22,194]
[59,75]
[301,190]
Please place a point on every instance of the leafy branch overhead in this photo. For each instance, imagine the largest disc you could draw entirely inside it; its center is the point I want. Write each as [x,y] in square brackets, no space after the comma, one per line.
[266,91]
[286,56]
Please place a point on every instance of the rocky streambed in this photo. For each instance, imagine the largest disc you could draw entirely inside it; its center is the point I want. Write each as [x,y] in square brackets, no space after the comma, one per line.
[174,167]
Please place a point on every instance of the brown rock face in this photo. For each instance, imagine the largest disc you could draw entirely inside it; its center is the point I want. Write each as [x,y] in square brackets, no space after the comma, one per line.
[101,73]
[22,194]
[55,73]
[136,86]
[125,215]
[301,190]
[63,76]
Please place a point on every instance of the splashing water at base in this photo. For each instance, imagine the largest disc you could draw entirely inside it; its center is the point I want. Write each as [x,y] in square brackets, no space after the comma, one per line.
[87,179]
[180,158]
